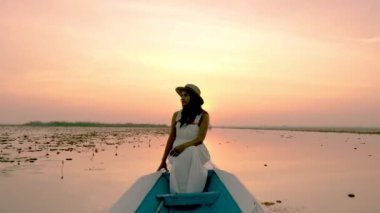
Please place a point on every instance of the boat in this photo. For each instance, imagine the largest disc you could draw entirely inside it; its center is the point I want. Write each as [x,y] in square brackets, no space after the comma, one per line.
[223,193]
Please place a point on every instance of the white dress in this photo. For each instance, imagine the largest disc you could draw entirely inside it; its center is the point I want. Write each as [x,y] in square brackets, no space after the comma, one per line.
[187,173]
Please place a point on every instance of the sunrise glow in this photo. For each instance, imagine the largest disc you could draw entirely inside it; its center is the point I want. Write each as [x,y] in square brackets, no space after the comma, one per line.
[256,62]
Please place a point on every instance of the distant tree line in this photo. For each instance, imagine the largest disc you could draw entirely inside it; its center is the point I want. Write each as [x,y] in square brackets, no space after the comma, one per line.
[90,124]
[355,130]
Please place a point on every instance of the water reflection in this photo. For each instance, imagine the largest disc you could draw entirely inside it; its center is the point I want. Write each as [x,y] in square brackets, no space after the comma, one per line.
[87,169]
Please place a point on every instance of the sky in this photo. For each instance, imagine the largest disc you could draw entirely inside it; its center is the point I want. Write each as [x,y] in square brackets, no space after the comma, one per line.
[257,62]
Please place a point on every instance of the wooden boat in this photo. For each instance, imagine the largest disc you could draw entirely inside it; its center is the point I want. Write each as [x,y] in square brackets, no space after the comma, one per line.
[223,193]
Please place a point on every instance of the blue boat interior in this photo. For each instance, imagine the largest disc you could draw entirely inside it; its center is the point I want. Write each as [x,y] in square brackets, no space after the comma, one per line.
[189,199]
[214,198]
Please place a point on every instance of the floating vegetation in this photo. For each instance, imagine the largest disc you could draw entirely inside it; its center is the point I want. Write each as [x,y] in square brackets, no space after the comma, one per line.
[5,160]
[63,162]
[26,145]
[268,203]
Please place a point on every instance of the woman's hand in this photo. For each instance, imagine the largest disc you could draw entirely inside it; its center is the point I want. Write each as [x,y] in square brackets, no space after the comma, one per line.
[177,150]
[162,166]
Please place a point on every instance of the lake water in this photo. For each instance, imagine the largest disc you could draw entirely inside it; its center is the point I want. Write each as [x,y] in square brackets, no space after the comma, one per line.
[86,169]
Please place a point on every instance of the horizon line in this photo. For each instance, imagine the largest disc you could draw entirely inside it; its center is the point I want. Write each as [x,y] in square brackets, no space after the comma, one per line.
[212,126]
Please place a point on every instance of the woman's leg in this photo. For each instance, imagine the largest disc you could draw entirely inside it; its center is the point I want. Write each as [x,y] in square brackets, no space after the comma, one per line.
[187,173]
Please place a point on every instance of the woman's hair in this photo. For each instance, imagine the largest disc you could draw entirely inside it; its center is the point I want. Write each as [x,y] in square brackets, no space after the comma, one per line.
[191,110]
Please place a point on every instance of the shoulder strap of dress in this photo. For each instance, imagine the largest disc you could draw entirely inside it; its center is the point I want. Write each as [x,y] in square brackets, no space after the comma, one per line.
[197,119]
[179,113]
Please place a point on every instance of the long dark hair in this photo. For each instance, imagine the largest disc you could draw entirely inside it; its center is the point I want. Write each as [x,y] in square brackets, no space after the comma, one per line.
[192,109]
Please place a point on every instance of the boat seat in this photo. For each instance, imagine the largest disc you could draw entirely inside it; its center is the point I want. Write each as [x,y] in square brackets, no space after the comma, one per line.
[210,173]
[189,199]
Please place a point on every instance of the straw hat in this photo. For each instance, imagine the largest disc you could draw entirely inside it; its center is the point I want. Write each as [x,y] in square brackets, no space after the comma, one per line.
[192,88]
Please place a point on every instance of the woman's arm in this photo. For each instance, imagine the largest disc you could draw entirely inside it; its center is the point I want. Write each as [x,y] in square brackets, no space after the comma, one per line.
[169,143]
[196,141]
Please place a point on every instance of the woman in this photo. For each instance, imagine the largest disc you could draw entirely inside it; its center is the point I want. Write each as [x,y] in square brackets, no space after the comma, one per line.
[185,149]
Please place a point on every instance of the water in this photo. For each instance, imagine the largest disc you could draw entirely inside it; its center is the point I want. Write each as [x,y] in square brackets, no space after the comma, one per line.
[87,169]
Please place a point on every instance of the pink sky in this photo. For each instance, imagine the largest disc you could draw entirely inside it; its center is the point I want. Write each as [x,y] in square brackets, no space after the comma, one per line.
[256,62]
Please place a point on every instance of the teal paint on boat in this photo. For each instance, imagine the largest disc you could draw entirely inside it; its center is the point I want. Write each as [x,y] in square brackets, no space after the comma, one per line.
[224,203]
[150,202]
[143,196]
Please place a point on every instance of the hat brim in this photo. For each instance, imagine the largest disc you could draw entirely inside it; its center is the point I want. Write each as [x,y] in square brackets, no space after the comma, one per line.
[180,89]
